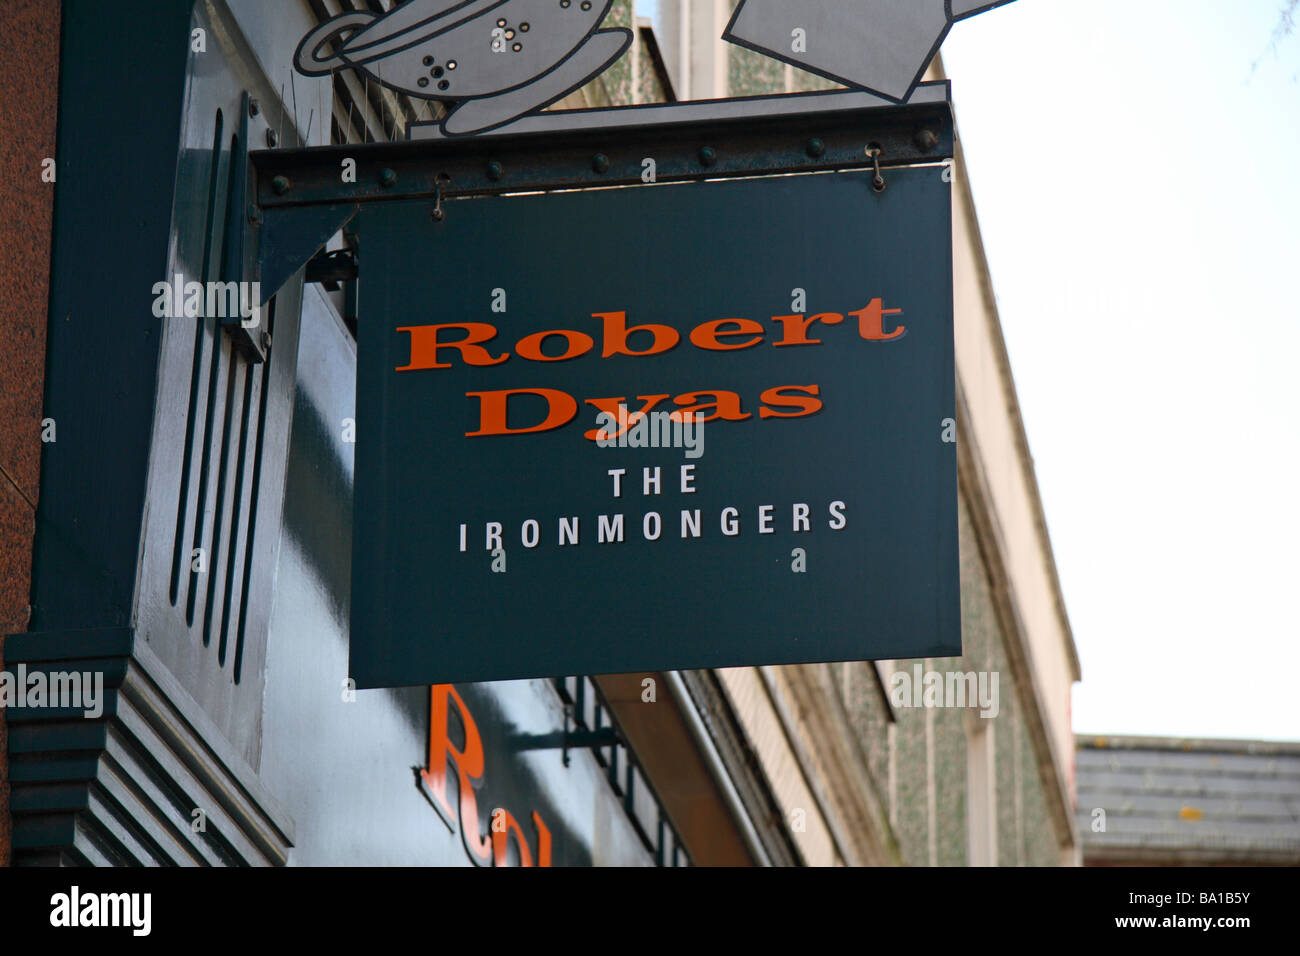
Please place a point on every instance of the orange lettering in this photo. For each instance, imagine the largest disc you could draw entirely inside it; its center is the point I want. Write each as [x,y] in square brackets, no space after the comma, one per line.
[795,327]
[726,405]
[706,334]
[530,347]
[616,333]
[468,764]
[561,407]
[610,405]
[543,841]
[425,345]
[773,396]
[871,322]
[502,827]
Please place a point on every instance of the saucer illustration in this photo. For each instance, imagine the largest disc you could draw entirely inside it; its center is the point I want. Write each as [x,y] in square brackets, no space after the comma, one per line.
[491,61]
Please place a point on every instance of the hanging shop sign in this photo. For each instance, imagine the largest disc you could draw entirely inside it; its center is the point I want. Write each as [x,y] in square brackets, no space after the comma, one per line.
[656,387]
[621,430]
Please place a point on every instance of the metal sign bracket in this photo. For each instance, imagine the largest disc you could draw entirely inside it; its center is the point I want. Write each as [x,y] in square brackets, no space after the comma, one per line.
[301,197]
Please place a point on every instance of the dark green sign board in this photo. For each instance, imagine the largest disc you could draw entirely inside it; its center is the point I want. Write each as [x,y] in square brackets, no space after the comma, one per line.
[506,527]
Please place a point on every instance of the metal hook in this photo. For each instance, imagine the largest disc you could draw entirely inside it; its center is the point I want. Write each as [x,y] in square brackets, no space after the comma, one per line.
[437,195]
[878,182]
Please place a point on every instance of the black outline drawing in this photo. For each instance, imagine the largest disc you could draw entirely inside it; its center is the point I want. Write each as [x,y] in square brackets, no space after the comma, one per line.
[859,8]
[589,54]
[362,42]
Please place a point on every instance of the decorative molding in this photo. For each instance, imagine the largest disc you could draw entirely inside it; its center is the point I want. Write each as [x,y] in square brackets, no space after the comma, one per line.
[704,693]
[820,734]
[973,485]
[121,789]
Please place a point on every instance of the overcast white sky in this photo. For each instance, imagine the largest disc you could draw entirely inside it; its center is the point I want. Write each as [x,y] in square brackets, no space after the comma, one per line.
[1136,184]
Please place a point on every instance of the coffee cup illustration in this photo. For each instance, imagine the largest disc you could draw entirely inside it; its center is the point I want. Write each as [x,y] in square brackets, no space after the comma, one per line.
[492,61]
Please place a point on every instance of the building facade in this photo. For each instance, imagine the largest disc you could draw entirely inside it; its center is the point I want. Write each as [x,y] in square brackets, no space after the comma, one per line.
[177,516]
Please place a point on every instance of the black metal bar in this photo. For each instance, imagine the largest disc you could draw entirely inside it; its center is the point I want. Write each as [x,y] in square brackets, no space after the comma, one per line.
[591,739]
[239,245]
[587,158]
[337,266]
[572,740]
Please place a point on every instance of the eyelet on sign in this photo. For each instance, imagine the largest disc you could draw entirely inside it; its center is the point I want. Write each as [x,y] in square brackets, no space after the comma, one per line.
[451,64]
[423,81]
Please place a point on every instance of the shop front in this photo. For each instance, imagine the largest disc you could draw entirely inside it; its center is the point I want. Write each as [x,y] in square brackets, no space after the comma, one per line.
[431,491]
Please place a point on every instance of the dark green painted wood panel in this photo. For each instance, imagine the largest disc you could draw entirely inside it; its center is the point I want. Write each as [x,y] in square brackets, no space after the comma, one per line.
[679,255]
[120,104]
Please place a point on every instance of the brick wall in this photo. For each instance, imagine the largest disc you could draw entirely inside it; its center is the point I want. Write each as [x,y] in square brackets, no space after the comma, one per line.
[29,77]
